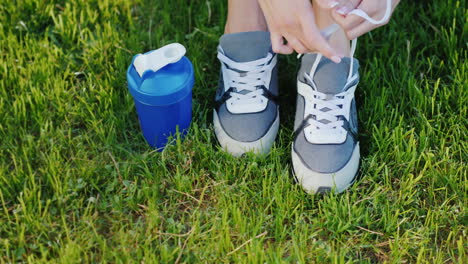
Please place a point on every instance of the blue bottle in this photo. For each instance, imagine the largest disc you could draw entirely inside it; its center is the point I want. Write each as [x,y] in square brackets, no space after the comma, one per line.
[161,83]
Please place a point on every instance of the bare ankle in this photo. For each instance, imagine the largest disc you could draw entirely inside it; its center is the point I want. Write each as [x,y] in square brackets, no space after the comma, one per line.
[243,16]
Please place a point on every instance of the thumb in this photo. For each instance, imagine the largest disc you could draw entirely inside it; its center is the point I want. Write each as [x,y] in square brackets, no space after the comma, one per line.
[278,46]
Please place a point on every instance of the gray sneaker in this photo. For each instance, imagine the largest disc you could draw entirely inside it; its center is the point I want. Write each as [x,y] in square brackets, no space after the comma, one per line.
[246,117]
[325,151]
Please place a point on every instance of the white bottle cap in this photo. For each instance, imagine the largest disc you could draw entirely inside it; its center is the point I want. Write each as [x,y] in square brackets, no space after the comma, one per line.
[159,58]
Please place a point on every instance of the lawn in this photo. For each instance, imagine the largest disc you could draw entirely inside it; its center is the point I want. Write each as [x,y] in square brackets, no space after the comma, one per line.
[79,184]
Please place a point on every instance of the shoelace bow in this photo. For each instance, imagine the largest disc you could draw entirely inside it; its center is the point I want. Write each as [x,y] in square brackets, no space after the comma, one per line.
[247,76]
[328,111]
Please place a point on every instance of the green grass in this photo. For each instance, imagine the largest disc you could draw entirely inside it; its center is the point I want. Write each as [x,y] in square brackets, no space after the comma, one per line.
[79,184]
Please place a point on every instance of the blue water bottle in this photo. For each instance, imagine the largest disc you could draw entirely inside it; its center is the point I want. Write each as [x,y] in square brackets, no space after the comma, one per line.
[161,82]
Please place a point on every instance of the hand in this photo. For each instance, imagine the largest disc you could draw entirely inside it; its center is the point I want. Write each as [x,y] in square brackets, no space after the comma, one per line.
[355,26]
[294,21]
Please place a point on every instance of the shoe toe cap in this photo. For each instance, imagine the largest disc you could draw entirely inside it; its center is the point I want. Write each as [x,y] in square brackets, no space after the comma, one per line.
[324,158]
[320,169]
[247,127]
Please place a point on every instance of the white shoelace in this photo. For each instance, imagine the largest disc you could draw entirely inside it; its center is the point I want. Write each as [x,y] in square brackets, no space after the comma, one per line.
[247,76]
[329,110]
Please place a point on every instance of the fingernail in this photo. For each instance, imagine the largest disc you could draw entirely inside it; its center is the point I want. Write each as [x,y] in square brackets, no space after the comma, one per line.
[336,59]
[343,10]
[332,4]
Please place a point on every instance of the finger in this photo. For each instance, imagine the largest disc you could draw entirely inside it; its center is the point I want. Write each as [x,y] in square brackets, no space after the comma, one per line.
[327,4]
[295,44]
[360,30]
[314,41]
[347,7]
[278,45]
[347,22]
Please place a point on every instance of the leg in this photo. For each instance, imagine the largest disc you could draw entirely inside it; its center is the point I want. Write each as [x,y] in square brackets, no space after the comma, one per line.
[338,41]
[246,116]
[325,152]
[244,16]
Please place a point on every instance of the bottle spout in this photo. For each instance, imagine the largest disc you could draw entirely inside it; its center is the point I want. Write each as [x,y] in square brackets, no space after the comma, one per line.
[159,58]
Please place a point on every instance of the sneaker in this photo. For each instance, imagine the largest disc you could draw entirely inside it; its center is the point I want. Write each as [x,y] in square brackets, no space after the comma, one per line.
[246,117]
[325,151]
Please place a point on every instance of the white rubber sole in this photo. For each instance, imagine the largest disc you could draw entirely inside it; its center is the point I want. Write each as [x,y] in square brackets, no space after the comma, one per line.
[237,148]
[314,182]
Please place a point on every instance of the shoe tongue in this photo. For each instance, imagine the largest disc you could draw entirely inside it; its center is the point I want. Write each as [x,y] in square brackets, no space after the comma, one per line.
[329,77]
[246,46]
